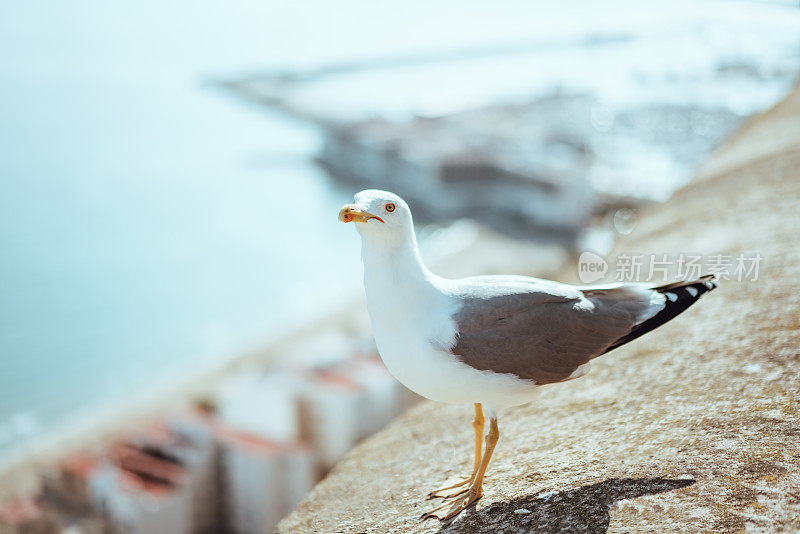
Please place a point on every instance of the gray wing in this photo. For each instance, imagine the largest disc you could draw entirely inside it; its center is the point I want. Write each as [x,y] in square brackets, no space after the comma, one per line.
[540,330]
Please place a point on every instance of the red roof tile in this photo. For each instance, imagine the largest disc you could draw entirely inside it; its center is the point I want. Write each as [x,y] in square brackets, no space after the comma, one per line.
[19,510]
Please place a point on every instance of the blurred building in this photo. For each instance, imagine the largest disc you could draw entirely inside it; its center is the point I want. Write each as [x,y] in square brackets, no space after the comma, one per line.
[236,466]
[28,516]
[263,480]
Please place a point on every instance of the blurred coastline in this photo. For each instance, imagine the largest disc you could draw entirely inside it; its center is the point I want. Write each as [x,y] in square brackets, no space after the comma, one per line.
[107,323]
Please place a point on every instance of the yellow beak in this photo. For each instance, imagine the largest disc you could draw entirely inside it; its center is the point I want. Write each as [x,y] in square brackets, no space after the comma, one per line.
[350,212]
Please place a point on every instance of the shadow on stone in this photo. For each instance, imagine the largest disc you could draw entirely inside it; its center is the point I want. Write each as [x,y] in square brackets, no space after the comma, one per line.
[584,509]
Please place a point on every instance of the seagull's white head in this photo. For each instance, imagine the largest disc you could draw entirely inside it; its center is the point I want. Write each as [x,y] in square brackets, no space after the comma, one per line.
[379,216]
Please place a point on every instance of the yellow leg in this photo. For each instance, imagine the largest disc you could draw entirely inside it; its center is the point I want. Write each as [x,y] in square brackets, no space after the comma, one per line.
[462,485]
[475,491]
[479,425]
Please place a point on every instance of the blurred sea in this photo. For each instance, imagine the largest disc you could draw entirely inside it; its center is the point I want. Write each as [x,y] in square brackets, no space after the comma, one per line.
[151,226]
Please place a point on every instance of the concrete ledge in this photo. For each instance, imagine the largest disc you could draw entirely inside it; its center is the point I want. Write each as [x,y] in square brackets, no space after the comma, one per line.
[695,427]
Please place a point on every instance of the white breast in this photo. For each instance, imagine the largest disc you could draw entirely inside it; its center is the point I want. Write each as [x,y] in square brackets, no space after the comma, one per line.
[413,327]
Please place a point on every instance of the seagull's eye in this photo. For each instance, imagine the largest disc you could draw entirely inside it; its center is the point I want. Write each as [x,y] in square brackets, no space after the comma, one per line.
[390,207]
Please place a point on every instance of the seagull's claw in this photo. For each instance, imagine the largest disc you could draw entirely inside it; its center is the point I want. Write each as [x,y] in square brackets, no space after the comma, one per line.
[453,487]
[450,508]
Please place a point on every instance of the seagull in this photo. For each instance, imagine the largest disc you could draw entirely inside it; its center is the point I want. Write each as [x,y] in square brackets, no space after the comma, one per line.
[491,341]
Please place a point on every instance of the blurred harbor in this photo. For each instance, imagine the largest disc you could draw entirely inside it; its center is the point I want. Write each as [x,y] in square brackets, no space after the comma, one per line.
[511,137]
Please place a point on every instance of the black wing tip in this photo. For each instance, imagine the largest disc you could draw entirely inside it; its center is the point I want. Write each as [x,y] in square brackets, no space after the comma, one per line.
[679,297]
[693,289]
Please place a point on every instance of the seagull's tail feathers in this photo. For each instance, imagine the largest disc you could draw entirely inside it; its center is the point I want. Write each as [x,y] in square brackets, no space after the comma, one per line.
[678,296]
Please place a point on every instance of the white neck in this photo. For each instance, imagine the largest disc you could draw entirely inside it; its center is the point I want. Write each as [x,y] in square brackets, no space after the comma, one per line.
[394,264]
[394,275]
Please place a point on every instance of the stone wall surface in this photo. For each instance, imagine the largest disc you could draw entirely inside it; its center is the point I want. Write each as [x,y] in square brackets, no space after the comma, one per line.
[694,427]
